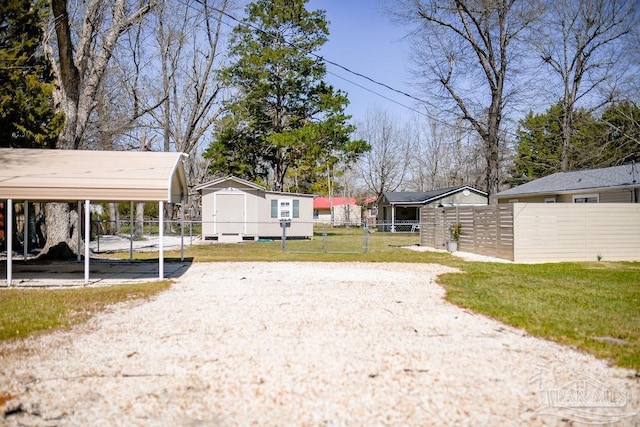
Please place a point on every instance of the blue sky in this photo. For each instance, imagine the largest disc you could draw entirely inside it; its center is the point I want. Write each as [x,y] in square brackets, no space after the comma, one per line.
[364,39]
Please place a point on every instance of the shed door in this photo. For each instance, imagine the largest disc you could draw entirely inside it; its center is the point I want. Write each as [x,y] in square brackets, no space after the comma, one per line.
[230,214]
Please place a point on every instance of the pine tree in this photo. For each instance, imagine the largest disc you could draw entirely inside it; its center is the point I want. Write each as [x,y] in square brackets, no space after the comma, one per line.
[28,117]
[609,140]
[283,116]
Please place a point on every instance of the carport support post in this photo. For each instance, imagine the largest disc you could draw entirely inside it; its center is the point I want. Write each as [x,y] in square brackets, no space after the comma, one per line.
[182,232]
[87,238]
[25,242]
[131,225]
[393,218]
[161,238]
[9,238]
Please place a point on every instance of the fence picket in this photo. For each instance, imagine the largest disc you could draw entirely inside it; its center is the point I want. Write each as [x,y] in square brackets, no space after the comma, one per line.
[485,230]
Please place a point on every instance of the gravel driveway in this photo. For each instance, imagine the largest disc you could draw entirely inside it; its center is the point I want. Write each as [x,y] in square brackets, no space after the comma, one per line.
[305,344]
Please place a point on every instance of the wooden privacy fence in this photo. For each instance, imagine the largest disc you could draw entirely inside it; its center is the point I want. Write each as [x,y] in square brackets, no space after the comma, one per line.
[486,230]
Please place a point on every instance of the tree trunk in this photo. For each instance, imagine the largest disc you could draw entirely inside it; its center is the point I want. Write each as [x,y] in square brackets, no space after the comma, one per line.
[62,232]
[567,130]
[114,219]
[139,229]
[168,217]
[40,225]
[69,75]
[491,138]
[80,70]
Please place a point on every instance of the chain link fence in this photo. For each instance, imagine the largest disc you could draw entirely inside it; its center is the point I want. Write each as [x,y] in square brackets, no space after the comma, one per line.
[318,237]
[355,238]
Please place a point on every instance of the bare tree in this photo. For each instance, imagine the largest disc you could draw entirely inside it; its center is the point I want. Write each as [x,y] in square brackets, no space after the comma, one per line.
[444,156]
[189,37]
[384,168]
[83,57]
[465,51]
[583,42]
[81,66]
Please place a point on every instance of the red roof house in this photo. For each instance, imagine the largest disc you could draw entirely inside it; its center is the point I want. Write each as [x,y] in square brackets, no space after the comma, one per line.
[336,210]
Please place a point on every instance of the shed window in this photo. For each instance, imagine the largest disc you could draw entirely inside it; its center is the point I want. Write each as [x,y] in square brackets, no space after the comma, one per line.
[285,208]
[296,208]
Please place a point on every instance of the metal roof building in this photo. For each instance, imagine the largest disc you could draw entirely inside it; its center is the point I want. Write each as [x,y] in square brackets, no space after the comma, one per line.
[71,175]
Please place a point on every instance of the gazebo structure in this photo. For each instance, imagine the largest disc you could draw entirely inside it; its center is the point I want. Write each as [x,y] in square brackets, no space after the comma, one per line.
[43,175]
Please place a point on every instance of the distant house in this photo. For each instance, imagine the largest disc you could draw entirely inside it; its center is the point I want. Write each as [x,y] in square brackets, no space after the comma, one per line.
[337,210]
[617,184]
[234,210]
[400,211]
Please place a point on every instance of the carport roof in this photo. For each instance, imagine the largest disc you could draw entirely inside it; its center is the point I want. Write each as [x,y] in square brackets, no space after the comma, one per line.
[65,175]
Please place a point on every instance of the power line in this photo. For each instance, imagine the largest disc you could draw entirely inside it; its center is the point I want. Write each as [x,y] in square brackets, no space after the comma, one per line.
[347,69]
[378,94]
[386,86]
[327,61]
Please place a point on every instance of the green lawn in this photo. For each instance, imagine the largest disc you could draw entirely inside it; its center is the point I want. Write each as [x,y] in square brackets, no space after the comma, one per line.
[27,311]
[592,306]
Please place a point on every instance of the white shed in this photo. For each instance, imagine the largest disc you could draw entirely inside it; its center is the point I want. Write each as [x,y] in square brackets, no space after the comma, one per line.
[234,209]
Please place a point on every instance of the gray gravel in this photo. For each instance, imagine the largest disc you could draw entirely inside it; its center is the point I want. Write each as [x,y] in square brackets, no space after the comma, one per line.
[305,344]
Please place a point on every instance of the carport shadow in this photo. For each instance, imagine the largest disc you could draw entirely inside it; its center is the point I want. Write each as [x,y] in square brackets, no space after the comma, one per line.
[32,273]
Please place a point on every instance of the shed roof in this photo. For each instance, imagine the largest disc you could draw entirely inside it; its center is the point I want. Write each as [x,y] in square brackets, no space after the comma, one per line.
[424,197]
[65,175]
[625,176]
[228,180]
[235,182]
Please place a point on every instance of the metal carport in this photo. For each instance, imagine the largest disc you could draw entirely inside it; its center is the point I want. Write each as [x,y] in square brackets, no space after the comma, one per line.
[45,175]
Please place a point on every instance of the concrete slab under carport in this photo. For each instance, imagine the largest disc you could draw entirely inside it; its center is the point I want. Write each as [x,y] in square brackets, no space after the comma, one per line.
[103,273]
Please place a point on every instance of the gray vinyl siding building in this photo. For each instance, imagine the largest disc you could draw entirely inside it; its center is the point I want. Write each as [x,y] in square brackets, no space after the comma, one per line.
[616,184]
[234,210]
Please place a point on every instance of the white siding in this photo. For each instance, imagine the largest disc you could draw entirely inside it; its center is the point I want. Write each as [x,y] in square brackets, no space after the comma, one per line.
[342,214]
[576,232]
[220,212]
[617,196]
[300,227]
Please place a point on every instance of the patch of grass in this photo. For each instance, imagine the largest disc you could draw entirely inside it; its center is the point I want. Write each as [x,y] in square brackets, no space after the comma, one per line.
[593,306]
[27,311]
[341,245]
